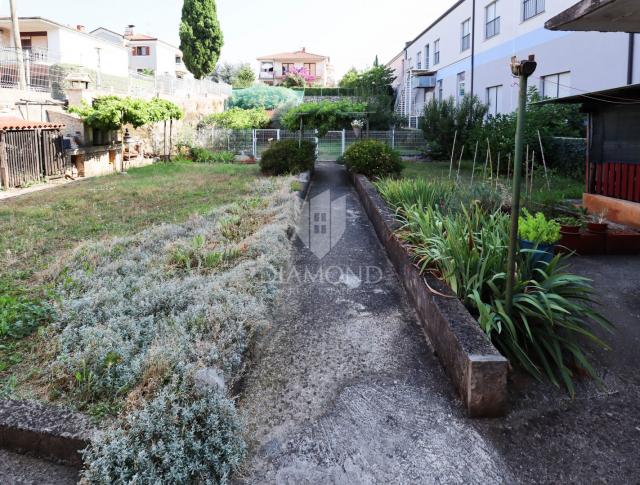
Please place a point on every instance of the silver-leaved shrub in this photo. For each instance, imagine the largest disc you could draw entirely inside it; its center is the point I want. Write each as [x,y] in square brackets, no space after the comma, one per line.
[136,322]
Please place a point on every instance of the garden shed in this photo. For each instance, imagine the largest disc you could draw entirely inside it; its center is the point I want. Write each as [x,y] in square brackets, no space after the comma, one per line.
[613,152]
[29,151]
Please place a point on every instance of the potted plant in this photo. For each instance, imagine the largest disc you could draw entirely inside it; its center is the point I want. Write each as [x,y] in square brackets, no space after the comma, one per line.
[598,223]
[357,126]
[538,235]
[569,224]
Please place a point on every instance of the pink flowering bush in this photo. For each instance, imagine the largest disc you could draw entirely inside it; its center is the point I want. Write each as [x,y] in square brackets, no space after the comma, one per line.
[298,77]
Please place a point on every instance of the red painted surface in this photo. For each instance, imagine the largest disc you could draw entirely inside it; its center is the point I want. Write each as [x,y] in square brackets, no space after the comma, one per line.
[618,180]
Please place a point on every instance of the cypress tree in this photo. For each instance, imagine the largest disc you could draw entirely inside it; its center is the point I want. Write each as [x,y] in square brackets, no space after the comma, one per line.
[201,38]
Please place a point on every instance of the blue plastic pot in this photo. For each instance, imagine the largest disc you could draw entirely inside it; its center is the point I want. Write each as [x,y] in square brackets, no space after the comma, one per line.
[544,252]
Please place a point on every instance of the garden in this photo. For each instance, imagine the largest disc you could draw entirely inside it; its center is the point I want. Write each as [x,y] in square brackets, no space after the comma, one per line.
[454,220]
[135,299]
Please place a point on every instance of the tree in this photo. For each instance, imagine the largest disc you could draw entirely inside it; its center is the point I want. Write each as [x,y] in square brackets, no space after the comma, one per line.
[244,77]
[350,79]
[376,62]
[225,73]
[201,38]
[298,77]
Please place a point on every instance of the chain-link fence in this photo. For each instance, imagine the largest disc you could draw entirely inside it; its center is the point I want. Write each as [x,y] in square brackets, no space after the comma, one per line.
[409,143]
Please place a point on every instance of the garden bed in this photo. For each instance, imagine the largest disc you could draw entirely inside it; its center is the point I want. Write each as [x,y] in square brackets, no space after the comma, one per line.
[476,368]
[449,244]
[150,331]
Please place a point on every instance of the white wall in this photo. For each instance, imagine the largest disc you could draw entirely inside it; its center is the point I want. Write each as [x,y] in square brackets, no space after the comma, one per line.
[79,48]
[595,60]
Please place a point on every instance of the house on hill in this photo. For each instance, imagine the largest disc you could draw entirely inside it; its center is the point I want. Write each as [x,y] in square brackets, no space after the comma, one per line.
[147,54]
[274,67]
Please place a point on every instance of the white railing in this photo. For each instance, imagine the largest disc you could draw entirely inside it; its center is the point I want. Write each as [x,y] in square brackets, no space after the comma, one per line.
[44,72]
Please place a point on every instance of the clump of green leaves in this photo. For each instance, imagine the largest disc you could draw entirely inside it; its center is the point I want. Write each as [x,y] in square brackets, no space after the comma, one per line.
[538,229]
[197,257]
[237,119]
[21,315]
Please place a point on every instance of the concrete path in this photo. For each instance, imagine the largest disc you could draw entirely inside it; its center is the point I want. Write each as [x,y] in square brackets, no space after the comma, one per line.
[344,389]
[24,470]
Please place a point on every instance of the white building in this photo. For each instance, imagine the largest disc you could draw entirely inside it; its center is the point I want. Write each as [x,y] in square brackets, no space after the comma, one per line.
[147,54]
[468,50]
[48,42]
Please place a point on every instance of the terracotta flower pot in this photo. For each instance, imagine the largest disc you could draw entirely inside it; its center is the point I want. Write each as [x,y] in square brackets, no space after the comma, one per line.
[569,229]
[597,227]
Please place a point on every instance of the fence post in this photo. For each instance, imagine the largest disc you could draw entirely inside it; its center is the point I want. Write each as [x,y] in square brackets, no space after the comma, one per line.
[4,166]
[344,141]
[278,134]
[255,143]
[393,138]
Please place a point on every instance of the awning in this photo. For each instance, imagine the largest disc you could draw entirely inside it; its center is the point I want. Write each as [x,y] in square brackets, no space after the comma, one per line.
[623,95]
[599,15]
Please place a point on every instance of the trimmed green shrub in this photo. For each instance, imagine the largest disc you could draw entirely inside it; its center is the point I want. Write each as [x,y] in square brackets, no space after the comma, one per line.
[373,158]
[288,156]
[237,119]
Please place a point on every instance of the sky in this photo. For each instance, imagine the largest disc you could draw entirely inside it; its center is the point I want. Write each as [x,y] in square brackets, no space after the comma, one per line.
[351,32]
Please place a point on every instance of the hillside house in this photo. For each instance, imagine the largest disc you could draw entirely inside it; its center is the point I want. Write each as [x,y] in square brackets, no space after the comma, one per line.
[274,67]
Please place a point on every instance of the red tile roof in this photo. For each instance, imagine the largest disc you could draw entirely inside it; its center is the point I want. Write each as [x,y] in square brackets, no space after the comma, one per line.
[135,37]
[297,55]
[15,123]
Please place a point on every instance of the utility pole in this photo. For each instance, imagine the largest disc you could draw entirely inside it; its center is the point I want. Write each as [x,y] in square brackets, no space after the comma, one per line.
[523,70]
[17,42]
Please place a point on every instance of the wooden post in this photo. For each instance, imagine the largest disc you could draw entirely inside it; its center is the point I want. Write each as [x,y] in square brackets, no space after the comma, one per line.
[453,151]
[164,137]
[533,161]
[544,161]
[475,155]
[4,166]
[170,137]
[490,160]
[498,171]
[459,163]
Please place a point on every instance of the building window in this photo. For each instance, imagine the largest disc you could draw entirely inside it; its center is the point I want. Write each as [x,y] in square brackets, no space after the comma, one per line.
[178,60]
[556,85]
[286,67]
[494,95]
[141,50]
[439,90]
[531,8]
[419,60]
[492,20]
[461,86]
[466,35]
[311,69]
[426,56]
[436,52]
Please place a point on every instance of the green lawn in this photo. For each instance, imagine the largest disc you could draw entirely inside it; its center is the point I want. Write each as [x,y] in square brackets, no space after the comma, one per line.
[561,187]
[39,229]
